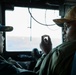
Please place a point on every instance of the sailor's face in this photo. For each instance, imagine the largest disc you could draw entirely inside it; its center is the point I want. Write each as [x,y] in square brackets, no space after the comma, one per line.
[1,42]
[70,31]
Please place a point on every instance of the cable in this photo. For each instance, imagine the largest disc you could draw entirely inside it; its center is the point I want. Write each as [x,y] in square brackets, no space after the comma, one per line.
[38,21]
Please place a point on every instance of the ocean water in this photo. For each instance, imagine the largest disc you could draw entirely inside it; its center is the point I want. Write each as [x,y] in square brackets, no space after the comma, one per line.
[25,44]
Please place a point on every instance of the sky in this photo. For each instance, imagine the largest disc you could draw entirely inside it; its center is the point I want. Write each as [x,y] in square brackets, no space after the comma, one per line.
[19,19]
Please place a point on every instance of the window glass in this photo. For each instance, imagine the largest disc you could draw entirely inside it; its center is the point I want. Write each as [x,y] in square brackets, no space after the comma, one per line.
[29,25]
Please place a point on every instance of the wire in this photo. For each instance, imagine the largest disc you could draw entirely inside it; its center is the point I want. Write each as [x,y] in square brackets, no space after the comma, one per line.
[38,21]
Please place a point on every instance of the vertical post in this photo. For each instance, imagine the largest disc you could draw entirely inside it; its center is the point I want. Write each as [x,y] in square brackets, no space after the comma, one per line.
[0,14]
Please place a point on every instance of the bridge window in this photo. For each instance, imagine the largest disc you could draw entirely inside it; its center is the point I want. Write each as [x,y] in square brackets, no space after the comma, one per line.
[29,25]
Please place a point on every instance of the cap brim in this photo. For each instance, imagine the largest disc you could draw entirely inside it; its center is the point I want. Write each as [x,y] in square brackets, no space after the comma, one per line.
[6,28]
[60,22]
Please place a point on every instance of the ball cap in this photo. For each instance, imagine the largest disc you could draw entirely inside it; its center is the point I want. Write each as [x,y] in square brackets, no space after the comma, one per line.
[69,16]
[5,28]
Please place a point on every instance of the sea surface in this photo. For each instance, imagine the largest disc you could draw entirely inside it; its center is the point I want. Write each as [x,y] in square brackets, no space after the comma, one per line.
[26,44]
